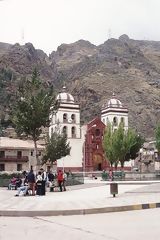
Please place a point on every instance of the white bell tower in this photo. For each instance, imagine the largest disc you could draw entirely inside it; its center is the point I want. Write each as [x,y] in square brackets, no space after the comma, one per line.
[114,112]
[67,118]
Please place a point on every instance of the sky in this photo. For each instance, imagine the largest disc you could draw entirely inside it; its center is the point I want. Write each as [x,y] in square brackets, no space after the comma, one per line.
[49,23]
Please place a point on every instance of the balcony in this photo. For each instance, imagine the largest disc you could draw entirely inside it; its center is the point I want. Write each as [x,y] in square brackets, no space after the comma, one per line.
[14,159]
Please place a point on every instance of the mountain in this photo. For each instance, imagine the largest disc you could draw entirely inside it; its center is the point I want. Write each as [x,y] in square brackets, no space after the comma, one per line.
[130,68]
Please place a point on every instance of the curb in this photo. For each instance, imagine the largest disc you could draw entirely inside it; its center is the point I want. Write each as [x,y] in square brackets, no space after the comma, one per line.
[46,213]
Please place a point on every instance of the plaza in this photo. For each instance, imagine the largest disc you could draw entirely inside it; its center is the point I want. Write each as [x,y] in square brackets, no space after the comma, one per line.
[91,197]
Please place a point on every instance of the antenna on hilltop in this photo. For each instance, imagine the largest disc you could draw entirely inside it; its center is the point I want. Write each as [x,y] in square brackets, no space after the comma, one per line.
[22,37]
[109,33]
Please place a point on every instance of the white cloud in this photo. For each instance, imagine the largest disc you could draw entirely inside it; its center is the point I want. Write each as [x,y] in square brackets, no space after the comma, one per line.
[48,23]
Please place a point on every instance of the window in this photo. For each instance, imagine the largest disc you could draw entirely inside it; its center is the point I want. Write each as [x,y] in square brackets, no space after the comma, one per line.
[64,130]
[65,117]
[2,154]
[19,154]
[31,153]
[73,117]
[19,167]
[2,167]
[115,121]
[97,132]
[122,120]
[39,154]
[73,132]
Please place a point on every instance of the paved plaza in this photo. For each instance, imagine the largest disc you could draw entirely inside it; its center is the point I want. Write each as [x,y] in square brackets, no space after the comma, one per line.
[92,197]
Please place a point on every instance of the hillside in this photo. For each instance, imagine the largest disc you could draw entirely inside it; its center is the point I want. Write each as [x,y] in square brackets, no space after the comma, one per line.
[130,68]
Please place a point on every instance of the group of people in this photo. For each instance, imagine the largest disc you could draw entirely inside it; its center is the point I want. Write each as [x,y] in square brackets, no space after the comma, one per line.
[31,183]
[35,184]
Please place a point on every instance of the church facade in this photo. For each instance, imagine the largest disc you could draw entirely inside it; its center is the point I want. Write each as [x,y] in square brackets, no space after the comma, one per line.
[86,141]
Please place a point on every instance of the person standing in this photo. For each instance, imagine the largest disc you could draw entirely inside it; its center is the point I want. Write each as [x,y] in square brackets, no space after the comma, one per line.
[39,184]
[110,175]
[50,178]
[44,179]
[31,181]
[64,180]
[60,179]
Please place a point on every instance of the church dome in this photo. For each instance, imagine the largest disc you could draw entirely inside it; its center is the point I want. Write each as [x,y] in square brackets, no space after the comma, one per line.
[65,97]
[114,102]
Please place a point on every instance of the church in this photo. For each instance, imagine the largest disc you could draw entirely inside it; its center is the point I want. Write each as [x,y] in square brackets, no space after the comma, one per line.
[86,141]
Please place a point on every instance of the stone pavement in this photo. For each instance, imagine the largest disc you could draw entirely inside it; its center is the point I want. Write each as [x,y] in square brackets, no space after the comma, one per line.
[92,197]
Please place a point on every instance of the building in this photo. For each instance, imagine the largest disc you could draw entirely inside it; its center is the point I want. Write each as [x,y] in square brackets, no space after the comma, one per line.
[148,159]
[114,112]
[94,158]
[67,120]
[85,141]
[17,155]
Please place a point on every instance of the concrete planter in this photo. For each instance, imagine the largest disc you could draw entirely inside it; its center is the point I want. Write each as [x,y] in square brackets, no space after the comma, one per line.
[4,182]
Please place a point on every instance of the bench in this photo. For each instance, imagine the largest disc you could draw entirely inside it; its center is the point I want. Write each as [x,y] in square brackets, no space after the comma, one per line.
[12,187]
[119,175]
[105,176]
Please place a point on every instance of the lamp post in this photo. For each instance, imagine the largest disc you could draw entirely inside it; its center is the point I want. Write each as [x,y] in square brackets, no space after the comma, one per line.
[84,159]
[140,159]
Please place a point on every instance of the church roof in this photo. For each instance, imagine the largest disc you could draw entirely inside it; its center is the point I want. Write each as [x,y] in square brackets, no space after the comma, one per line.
[113,103]
[12,143]
[65,97]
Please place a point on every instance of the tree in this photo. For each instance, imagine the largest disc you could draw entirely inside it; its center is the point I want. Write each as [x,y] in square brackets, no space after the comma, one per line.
[108,146]
[121,145]
[33,108]
[56,147]
[127,144]
[134,150]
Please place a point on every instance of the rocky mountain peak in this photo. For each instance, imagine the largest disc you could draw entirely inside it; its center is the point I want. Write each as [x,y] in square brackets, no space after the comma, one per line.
[130,67]
[124,38]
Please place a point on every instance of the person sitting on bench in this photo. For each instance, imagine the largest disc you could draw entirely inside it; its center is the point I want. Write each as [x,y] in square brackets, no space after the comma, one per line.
[12,184]
[24,189]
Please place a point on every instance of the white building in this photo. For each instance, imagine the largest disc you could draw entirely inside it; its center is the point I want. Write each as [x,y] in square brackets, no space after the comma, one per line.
[114,112]
[18,155]
[67,120]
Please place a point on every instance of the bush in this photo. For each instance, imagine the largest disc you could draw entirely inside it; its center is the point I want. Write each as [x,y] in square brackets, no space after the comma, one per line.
[9,175]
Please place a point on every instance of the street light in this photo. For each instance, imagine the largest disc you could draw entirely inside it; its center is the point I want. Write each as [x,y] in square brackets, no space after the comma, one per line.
[140,159]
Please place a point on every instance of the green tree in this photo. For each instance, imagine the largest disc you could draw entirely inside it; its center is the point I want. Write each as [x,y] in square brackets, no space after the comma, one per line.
[121,145]
[57,147]
[109,146]
[157,133]
[33,108]
[134,150]
[127,144]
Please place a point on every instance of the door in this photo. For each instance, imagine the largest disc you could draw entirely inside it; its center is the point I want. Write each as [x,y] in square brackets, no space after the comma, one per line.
[97,162]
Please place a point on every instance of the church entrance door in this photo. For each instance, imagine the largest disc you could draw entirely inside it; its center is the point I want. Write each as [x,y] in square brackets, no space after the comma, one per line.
[97,162]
